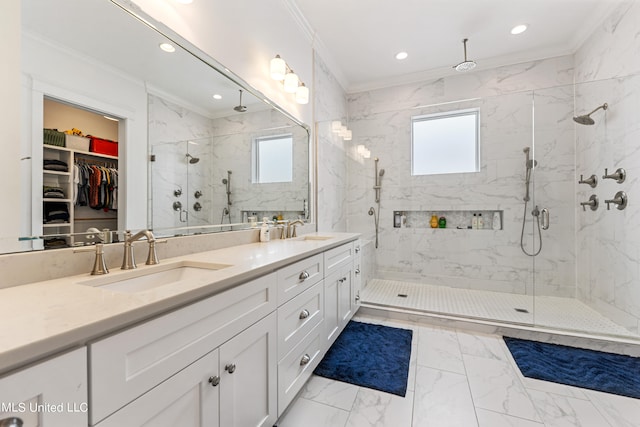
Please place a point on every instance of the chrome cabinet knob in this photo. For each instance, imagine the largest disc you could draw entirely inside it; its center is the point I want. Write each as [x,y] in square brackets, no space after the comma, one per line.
[305,359]
[304,314]
[357,249]
[304,275]
[357,271]
[231,368]
[214,381]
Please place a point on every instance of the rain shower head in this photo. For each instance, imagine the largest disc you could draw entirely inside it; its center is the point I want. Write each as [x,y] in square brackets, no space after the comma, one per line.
[465,65]
[586,118]
[240,108]
[193,160]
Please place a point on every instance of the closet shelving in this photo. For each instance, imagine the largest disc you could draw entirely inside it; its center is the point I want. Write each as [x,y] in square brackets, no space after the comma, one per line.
[80,217]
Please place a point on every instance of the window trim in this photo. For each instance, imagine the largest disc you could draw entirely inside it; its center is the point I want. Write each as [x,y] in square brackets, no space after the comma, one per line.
[447,114]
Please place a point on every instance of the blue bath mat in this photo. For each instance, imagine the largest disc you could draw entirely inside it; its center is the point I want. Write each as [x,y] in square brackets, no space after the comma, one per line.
[372,356]
[595,370]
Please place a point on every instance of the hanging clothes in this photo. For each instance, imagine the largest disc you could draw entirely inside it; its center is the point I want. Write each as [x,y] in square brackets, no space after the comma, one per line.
[97,186]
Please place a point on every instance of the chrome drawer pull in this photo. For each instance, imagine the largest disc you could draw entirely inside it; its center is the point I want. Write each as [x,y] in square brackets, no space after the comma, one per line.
[304,314]
[231,368]
[304,275]
[357,249]
[214,381]
[305,359]
[357,271]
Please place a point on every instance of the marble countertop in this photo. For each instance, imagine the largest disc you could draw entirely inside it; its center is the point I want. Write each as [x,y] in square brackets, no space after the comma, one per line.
[45,318]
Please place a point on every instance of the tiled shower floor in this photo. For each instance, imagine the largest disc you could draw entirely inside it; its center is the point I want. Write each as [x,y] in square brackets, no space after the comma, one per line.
[550,312]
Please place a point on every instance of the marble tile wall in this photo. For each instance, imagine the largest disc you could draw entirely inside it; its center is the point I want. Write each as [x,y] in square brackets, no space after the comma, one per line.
[608,248]
[222,144]
[465,258]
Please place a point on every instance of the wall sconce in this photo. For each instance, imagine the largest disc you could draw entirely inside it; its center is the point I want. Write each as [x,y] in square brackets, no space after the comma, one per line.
[341,130]
[281,72]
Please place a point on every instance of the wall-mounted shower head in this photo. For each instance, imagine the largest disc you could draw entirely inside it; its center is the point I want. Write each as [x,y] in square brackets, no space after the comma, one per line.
[240,108]
[193,160]
[586,118]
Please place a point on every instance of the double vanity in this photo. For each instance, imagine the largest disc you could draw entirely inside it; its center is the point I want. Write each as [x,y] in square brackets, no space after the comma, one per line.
[219,338]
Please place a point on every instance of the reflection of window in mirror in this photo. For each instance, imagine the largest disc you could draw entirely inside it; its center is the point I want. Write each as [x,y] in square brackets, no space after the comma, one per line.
[272,159]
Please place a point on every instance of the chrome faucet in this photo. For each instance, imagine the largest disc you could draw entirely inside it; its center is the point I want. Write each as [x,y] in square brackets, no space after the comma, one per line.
[129,261]
[293,224]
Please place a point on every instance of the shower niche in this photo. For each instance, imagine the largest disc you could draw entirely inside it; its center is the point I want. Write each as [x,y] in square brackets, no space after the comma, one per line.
[453,219]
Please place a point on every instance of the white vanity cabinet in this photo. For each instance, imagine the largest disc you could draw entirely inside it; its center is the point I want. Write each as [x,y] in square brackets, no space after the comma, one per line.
[125,366]
[50,394]
[234,386]
[339,294]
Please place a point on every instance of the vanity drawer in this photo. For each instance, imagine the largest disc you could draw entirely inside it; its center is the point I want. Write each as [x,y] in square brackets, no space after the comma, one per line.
[298,277]
[298,317]
[338,257]
[126,365]
[297,366]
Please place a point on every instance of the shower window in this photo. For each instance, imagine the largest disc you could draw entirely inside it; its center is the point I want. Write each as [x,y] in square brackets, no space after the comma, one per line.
[445,142]
[272,159]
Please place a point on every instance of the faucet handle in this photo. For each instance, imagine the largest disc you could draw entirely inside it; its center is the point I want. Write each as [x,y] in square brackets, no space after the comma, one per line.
[152,256]
[99,265]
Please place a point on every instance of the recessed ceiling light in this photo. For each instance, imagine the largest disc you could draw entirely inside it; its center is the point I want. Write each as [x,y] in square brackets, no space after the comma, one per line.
[167,47]
[519,29]
[217,96]
[401,55]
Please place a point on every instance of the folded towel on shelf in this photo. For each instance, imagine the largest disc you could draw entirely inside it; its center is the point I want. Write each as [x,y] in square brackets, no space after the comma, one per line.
[55,213]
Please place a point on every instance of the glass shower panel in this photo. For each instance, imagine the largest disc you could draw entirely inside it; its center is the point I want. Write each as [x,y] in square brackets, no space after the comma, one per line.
[587,274]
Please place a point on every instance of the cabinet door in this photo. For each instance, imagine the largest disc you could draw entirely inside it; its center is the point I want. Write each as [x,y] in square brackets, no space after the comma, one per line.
[345,292]
[187,399]
[248,383]
[50,394]
[331,308]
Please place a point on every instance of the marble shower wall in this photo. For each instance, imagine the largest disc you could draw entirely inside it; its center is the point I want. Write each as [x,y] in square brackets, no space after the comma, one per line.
[222,144]
[475,259]
[608,245]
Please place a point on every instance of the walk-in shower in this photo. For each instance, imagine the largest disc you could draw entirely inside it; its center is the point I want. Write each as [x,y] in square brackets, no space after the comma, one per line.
[377,187]
[586,118]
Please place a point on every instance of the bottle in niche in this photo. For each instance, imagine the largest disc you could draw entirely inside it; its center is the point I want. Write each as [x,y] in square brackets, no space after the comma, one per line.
[434,221]
[474,222]
[442,222]
[397,220]
[480,222]
[403,220]
[496,223]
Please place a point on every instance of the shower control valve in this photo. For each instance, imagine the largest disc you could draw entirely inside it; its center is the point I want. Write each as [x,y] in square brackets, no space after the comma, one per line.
[620,199]
[593,203]
[619,175]
[592,181]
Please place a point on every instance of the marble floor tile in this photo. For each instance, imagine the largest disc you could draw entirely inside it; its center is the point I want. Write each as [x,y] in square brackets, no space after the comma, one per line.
[496,387]
[439,349]
[377,409]
[307,413]
[482,345]
[442,399]
[333,393]
[563,411]
[619,411]
[495,419]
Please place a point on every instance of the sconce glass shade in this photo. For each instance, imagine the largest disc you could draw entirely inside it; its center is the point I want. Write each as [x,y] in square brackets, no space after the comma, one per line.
[291,82]
[302,94]
[348,135]
[278,68]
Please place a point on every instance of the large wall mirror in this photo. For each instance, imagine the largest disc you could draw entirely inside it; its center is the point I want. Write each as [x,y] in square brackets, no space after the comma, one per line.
[126,125]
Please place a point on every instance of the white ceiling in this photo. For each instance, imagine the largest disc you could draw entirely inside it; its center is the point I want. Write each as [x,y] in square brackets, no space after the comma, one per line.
[359,38]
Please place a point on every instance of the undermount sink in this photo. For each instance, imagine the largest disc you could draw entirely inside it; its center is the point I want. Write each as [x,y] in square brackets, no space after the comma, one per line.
[314,237]
[150,277]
